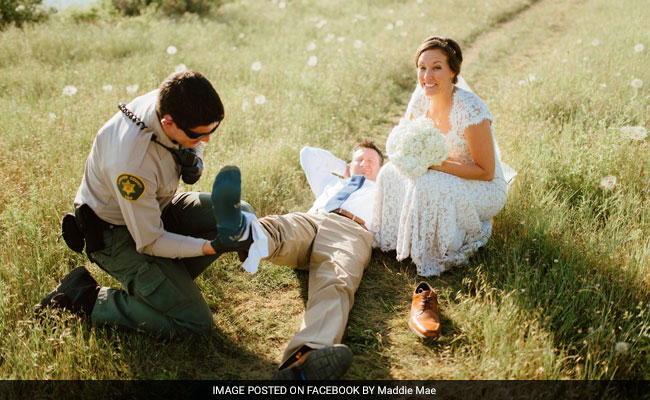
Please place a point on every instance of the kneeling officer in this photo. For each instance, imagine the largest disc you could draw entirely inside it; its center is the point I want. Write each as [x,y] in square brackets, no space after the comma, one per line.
[135,226]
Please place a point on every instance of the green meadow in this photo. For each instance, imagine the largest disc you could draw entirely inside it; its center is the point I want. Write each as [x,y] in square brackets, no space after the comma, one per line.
[559,292]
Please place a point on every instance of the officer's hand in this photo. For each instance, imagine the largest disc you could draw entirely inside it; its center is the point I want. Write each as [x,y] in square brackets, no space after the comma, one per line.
[191,174]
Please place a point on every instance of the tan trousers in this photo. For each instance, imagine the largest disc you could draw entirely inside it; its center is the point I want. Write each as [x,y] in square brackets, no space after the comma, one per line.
[335,250]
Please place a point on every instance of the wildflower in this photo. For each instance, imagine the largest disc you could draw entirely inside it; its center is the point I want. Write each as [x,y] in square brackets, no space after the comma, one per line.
[313,60]
[523,290]
[52,116]
[402,34]
[391,11]
[579,41]
[311,46]
[636,83]
[20,8]
[603,85]
[622,347]
[389,27]
[245,106]
[260,99]
[171,50]
[639,48]
[321,24]
[556,261]
[358,44]
[107,88]
[595,42]
[329,37]
[420,1]
[69,90]
[241,35]
[180,68]
[282,4]
[132,88]
[531,78]
[399,22]
[608,183]
[341,39]
[635,132]
[522,82]
[256,66]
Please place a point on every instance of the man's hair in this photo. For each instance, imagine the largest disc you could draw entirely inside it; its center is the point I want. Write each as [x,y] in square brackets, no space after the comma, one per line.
[190,99]
[369,144]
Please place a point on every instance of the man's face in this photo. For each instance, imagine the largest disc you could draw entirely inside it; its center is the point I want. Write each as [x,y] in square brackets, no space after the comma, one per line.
[178,135]
[366,162]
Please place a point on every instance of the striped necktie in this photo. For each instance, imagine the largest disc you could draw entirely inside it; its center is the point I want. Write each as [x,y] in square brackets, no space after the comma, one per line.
[356,181]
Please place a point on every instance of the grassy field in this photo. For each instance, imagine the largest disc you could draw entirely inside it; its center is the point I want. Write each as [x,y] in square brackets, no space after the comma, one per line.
[561,289]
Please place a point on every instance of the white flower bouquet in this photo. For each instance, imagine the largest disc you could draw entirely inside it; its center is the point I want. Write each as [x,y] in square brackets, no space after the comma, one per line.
[414,145]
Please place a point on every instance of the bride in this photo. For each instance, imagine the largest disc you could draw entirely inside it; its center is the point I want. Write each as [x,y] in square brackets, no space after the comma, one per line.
[442,217]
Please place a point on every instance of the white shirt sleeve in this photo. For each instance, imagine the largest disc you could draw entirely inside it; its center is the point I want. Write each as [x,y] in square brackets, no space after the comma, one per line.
[319,166]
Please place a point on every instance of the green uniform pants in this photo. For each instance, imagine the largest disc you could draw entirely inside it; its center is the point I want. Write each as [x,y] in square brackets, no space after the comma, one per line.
[159,294]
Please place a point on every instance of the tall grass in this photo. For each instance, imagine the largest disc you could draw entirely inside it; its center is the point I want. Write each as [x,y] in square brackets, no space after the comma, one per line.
[562,281]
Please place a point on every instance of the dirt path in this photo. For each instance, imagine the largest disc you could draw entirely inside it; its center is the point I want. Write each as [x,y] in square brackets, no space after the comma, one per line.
[471,53]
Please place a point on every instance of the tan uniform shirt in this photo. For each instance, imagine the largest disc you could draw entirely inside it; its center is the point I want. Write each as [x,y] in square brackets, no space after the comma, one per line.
[129,180]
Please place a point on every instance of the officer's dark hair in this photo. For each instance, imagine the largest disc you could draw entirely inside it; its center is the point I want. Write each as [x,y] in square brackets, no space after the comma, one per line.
[369,144]
[190,99]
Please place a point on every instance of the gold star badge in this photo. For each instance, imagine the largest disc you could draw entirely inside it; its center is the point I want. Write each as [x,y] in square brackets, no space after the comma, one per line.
[130,186]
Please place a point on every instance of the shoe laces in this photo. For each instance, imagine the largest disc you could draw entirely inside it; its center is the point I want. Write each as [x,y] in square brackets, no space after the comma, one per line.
[427,300]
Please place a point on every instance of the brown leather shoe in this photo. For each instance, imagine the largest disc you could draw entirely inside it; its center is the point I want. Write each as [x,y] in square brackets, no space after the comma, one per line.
[328,363]
[425,315]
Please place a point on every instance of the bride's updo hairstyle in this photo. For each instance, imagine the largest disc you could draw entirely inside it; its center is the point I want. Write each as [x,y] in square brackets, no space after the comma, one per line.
[448,46]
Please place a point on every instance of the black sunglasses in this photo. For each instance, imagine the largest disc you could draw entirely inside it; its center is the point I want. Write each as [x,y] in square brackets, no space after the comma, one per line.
[193,135]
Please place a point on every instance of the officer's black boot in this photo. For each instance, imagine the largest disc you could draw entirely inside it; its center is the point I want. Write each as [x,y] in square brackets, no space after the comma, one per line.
[77,293]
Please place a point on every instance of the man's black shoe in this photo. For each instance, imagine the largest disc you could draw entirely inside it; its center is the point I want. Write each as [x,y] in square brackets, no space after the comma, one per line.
[77,293]
[328,363]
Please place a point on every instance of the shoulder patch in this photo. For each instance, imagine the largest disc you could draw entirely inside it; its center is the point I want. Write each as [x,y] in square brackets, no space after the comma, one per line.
[130,186]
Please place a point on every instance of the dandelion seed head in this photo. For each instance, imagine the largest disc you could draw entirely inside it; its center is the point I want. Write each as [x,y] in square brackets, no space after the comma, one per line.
[171,50]
[402,34]
[245,106]
[522,82]
[639,47]
[313,60]
[69,90]
[249,122]
[260,99]
[241,35]
[20,8]
[621,347]
[52,116]
[329,37]
[389,27]
[358,44]
[595,42]
[603,85]
[282,4]
[399,22]
[132,88]
[556,261]
[321,24]
[523,290]
[341,39]
[180,68]
[311,46]
[579,41]
[531,78]
[608,183]
[107,88]
[420,1]
[637,133]
[636,83]
[256,66]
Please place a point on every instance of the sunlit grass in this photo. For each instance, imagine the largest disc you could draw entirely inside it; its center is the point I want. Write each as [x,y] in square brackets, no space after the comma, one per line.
[562,281]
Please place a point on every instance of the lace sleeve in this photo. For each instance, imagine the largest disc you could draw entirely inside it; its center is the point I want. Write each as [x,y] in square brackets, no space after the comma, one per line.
[471,110]
[418,105]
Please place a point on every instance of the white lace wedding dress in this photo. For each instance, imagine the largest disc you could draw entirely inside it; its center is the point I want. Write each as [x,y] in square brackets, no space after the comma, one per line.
[439,219]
